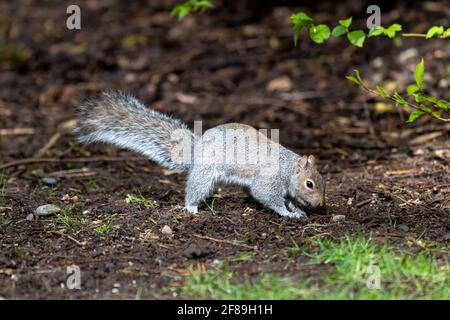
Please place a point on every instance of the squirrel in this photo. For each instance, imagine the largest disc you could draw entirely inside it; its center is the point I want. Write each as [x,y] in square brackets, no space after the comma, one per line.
[273,175]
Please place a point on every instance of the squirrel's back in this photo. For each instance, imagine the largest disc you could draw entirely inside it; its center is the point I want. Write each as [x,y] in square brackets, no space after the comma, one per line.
[120,119]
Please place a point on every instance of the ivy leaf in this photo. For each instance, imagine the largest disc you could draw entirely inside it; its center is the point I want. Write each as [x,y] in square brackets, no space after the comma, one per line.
[357,38]
[392,30]
[413,116]
[382,92]
[346,23]
[319,33]
[412,89]
[419,74]
[435,31]
[339,31]
[376,31]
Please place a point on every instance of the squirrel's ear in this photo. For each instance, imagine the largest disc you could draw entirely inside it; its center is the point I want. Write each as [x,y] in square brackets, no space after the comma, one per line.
[301,163]
[312,160]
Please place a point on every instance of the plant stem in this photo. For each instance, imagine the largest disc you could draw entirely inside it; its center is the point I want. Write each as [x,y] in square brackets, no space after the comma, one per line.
[414,106]
[418,35]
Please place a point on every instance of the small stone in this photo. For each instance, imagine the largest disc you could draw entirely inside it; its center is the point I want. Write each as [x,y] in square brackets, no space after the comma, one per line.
[68,199]
[47,209]
[407,54]
[338,217]
[167,230]
[30,217]
[115,290]
[403,227]
[282,83]
[49,181]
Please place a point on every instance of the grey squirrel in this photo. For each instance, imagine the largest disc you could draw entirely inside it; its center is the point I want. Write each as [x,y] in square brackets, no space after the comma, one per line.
[228,154]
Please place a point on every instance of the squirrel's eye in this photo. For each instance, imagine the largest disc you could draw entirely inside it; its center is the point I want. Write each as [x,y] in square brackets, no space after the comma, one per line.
[309,184]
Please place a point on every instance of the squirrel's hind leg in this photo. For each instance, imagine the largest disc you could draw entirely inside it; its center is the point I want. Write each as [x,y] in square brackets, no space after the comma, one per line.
[198,188]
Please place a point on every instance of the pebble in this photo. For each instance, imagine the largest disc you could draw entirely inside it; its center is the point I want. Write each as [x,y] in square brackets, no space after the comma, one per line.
[407,54]
[167,230]
[47,209]
[30,217]
[49,181]
[403,227]
[338,217]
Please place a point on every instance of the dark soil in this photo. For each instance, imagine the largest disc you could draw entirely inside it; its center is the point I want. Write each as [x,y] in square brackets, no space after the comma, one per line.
[390,179]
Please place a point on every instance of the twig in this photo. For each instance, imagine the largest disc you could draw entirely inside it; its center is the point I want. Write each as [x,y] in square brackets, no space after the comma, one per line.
[412,105]
[69,237]
[16,131]
[234,243]
[94,159]
[48,145]
[363,203]
[83,172]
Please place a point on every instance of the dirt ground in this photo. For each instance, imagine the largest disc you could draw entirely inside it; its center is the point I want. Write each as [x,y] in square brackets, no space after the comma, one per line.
[390,179]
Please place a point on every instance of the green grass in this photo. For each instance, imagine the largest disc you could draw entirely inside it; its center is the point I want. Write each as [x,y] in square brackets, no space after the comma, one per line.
[139,199]
[69,218]
[106,227]
[352,262]
[5,221]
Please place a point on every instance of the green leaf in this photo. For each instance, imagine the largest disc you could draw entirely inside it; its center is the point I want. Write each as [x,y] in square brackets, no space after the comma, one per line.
[425,108]
[399,99]
[299,21]
[392,30]
[446,34]
[356,38]
[419,97]
[413,116]
[180,11]
[412,89]
[431,99]
[346,23]
[419,74]
[443,104]
[339,31]
[382,92]
[355,78]
[319,33]
[435,31]
[436,114]
[301,18]
[376,31]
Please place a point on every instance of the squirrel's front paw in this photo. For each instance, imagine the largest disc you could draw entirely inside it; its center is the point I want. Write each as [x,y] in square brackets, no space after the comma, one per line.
[191,209]
[299,214]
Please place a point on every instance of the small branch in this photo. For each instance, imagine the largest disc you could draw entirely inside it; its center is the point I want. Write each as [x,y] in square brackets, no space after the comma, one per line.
[16,131]
[412,105]
[234,243]
[68,237]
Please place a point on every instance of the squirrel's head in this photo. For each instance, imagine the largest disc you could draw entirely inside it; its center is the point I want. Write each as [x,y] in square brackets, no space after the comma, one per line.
[307,183]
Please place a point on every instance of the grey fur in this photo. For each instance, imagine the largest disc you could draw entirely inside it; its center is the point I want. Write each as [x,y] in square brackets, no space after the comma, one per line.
[278,182]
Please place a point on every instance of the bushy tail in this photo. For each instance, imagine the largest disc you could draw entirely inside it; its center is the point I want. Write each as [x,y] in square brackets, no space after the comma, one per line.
[121,120]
